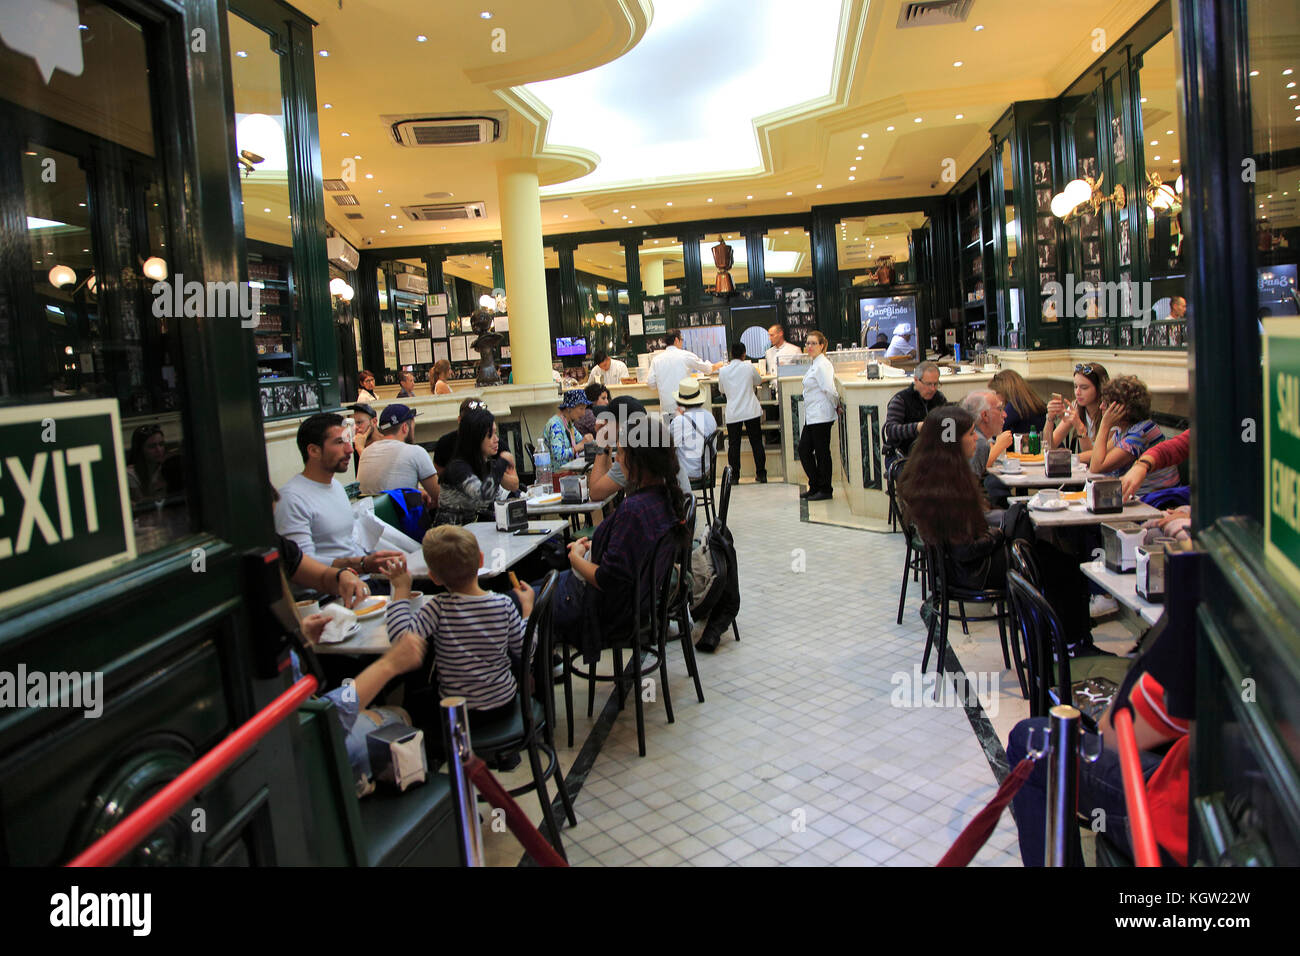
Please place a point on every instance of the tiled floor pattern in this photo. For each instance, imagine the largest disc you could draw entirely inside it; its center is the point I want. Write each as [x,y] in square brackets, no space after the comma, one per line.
[801,754]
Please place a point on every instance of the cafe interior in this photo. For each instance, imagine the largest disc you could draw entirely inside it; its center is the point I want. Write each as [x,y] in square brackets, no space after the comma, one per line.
[224,218]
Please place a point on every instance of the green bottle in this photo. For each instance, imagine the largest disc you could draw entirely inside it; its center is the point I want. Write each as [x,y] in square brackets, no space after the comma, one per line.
[1034,442]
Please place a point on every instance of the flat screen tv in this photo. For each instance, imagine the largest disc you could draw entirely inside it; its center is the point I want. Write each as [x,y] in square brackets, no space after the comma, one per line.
[1277,290]
[570,346]
[880,316]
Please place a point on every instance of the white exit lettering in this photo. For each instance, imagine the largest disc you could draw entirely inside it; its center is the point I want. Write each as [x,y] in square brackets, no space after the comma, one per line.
[1288,404]
[29,483]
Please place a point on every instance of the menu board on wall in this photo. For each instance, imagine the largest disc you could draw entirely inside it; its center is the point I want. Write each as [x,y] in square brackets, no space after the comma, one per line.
[423,351]
[438,326]
[406,352]
[440,352]
[437,304]
[634,325]
[458,348]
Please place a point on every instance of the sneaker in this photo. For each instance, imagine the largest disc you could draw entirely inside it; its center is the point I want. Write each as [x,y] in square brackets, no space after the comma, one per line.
[1102,604]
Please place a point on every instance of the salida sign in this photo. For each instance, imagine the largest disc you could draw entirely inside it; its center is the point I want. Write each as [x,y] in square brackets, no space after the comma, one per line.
[64,508]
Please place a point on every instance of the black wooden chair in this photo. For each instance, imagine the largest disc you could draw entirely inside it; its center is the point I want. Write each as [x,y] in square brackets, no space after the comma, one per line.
[1045,638]
[531,726]
[942,594]
[704,485]
[724,505]
[913,564]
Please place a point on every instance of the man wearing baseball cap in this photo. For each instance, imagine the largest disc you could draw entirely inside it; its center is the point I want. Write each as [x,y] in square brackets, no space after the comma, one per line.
[392,460]
[363,418]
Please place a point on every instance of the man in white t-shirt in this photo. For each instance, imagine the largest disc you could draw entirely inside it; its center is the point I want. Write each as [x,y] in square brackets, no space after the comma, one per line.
[606,371]
[313,510]
[692,427]
[737,380]
[394,461]
[781,349]
[670,366]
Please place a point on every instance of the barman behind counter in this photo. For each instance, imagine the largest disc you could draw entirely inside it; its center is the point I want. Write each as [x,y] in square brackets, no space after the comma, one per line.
[781,349]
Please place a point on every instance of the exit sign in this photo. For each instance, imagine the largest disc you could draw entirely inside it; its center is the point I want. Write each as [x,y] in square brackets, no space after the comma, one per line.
[65,512]
[1282,448]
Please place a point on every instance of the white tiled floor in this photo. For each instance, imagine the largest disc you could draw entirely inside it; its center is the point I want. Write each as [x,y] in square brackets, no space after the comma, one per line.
[799,755]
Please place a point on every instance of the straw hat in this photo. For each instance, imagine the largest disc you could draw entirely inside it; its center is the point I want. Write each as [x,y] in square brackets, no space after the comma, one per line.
[688,393]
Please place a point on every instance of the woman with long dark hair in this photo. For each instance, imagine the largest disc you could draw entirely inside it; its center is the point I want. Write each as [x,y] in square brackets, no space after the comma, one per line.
[945,501]
[471,485]
[594,595]
[144,471]
[1078,420]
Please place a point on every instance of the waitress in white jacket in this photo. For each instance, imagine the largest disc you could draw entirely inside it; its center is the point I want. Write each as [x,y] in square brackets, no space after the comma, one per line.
[819,402]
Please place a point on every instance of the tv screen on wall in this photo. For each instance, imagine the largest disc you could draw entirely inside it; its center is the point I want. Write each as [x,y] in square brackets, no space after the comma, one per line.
[1277,290]
[880,316]
[570,346]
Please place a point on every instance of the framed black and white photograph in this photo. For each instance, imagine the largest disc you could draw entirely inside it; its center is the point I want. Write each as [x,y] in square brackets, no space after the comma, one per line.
[1092,252]
[1043,174]
[1088,166]
[1117,139]
[1089,226]
[1044,199]
[675,300]
[1046,229]
[1123,244]
[1046,257]
[1092,275]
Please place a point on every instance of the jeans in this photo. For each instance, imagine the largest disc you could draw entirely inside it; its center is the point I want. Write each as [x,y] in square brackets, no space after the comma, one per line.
[754,428]
[1101,787]
[815,455]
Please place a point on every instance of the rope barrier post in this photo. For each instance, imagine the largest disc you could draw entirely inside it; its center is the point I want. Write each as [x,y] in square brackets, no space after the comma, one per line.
[1062,784]
[456,744]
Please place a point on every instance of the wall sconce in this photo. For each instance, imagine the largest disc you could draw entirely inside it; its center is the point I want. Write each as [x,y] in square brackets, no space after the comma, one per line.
[486,301]
[340,289]
[1068,204]
[61,276]
[1163,197]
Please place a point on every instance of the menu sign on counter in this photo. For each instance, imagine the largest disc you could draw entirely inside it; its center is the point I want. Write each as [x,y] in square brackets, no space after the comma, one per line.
[1282,448]
[66,510]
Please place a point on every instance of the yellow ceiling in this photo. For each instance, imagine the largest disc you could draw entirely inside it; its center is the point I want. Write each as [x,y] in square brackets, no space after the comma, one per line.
[884,77]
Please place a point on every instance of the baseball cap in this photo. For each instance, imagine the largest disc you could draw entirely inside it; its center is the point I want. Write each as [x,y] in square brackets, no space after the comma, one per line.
[363,408]
[395,414]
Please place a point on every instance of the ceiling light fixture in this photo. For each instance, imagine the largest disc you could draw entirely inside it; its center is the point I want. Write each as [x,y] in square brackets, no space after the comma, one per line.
[889,129]
[327,106]
[1254,72]
[155,268]
[957,63]
[668,203]
[420,38]
[866,136]
[1288,71]
[789,192]
[960,116]
[917,120]
[979,27]
[61,276]
[486,15]
[819,185]
[324,52]
[749,197]
[852,178]
[241,53]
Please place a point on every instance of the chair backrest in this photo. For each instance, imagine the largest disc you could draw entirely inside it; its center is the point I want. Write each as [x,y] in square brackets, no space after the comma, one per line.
[724,496]
[1023,560]
[691,512]
[536,649]
[1043,635]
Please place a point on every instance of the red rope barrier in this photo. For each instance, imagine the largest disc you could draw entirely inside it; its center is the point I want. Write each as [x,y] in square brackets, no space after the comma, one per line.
[119,841]
[534,843]
[979,830]
[1145,852]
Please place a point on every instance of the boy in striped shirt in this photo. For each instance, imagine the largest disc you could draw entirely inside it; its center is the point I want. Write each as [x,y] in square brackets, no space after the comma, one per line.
[475,634]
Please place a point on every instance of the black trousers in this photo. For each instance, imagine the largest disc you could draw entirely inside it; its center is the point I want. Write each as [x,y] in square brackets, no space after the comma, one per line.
[754,427]
[815,455]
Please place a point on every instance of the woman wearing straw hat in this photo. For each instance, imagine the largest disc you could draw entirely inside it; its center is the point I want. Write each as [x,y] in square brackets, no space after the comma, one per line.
[692,427]
[561,430]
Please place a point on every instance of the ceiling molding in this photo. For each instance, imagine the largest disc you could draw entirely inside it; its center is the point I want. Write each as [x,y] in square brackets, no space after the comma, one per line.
[558,163]
[623,26]
[1116,22]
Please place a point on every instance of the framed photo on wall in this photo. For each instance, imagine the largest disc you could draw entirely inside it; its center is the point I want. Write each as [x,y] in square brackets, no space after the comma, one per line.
[1043,175]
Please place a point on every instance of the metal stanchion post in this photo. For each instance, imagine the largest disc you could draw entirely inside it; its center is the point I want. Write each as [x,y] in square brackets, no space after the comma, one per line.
[456,744]
[1062,785]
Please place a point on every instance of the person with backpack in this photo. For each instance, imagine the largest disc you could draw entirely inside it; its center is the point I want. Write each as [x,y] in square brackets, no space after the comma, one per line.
[692,428]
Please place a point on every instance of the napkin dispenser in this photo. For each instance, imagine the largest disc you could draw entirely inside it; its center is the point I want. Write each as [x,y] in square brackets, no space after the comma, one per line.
[573,489]
[1151,571]
[1104,496]
[512,514]
[397,755]
[1056,463]
[1121,540]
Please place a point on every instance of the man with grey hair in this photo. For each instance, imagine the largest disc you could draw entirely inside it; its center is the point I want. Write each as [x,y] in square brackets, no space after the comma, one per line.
[906,412]
[991,440]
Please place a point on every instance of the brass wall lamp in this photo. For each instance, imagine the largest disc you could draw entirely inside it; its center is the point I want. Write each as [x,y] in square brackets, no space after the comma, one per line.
[1085,194]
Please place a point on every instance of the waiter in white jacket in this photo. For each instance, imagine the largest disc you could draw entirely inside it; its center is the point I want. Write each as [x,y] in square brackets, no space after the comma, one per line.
[820,400]
[781,349]
[670,366]
[737,380]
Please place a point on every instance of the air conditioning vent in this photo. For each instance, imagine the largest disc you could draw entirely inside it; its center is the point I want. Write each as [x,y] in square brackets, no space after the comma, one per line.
[934,13]
[446,211]
[409,282]
[340,252]
[354,215]
[445,130]
[347,199]
[335,186]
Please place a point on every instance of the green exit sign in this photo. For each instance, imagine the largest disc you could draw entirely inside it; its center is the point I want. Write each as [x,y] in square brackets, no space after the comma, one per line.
[65,512]
[1282,451]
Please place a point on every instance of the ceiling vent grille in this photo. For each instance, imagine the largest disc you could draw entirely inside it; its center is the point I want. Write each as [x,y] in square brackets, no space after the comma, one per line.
[354,215]
[442,212]
[335,186]
[347,199]
[445,130]
[934,13]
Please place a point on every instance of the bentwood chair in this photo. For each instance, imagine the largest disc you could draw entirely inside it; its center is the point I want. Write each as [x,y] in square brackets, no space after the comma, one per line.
[531,726]
[1045,638]
[913,564]
[942,593]
[724,505]
[704,485]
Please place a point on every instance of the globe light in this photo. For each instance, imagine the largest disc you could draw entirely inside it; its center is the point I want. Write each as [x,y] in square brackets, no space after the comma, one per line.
[155,268]
[1078,191]
[1061,206]
[486,301]
[61,276]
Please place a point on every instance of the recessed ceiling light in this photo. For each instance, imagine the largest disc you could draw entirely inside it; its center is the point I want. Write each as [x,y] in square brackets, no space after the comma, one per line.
[960,116]
[486,15]
[979,27]
[393,216]
[889,129]
[1254,72]
[1291,85]
[380,191]
[668,204]
[866,136]
[370,175]
[383,230]
[387,204]
[241,53]
[860,148]
[852,178]
[356,157]
[1288,71]
[345,134]
[327,106]
[267,209]
[789,193]
[819,185]
[1155,158]
[631,207]
[1175,161]
[917,120]
[565,216]
[1169,132]
[787,232]
[324,52]
[420,38]
[615,210]
[1155,142]
[1142,100]
[749,197]
[957,63]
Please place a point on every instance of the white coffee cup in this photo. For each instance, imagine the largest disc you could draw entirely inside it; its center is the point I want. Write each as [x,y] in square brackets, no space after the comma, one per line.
[1011,466]
[1050,494]
[417,600]
[1074,462]
[307,608]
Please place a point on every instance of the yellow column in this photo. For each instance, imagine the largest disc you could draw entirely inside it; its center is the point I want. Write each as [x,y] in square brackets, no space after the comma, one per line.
[652,275]
[521,246]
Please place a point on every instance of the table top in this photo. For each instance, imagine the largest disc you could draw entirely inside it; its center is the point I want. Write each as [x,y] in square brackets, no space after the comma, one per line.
[574,465]
[1077,514]
[559,508]
[1034,476]
[1124,589]
[502,550]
